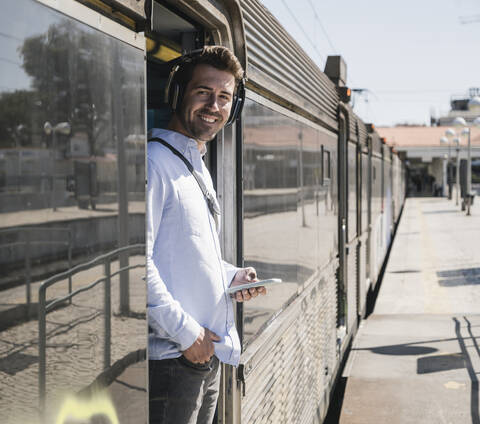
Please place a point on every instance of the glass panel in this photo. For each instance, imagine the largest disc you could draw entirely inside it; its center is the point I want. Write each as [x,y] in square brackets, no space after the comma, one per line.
[352,191]
[71,189]
[289,221]
[309,202]
[364,192]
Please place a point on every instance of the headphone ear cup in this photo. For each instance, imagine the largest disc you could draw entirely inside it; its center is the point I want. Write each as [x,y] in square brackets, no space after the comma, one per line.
[172,88]
[237,103]
[175,91]
[233,111]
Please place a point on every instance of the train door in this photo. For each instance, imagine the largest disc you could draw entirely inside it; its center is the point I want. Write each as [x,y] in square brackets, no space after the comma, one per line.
[383,226]
[352,234]
[392,193]
[359,247]
[342,306]
[73,140]
[369,211]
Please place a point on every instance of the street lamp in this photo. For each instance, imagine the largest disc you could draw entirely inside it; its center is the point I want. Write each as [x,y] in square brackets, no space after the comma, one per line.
[473,106]
[444,140]
[61,128]
[456,140]
[450,134]
[460,123]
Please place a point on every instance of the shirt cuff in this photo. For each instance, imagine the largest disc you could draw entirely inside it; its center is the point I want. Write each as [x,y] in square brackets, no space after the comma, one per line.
[189,334]
[230,271]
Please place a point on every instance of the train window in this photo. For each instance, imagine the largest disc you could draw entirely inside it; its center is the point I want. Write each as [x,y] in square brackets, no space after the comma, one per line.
[374,173]
[289,224]
[72,189]
[352,191]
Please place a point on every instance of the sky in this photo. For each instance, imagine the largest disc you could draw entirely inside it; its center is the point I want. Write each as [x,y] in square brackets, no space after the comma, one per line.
[411,56]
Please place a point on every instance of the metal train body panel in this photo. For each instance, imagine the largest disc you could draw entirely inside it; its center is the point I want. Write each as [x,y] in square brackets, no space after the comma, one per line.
[275,393]
[377,216]
[308,193]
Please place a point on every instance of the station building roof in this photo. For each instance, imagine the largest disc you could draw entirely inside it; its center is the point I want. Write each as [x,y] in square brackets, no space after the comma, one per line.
[404,137]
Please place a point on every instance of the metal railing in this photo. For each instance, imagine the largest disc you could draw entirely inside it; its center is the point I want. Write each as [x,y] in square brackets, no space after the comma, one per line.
[28,242]
[44,308]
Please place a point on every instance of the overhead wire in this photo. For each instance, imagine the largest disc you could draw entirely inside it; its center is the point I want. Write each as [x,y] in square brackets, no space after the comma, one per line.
[325,33]
[303,31]
[415,91]
[317,18]
[367,101]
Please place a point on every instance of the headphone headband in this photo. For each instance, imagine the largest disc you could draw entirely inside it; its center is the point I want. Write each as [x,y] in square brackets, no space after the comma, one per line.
[174,89]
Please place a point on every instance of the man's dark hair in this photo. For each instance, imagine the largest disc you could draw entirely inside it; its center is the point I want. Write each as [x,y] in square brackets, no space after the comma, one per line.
[217,56]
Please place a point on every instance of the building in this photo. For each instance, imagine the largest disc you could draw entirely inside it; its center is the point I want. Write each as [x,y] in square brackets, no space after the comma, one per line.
[432,164]
[459,108]
[426,157]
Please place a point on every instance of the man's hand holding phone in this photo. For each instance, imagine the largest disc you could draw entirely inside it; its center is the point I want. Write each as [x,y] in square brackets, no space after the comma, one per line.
[245,276]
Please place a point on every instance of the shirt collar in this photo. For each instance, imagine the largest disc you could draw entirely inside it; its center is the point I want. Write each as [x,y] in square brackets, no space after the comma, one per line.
[185,145]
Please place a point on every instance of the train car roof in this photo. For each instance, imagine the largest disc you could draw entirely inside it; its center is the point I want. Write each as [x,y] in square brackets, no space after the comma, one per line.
[279,68]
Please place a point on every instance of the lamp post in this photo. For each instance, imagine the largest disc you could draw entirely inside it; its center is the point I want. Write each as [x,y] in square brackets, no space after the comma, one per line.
[450,134]
[461,123]
[473,106]
[456,140]
[61,128]
[444,140]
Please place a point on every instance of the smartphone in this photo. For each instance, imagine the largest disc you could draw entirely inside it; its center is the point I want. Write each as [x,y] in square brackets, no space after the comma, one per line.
[260,283]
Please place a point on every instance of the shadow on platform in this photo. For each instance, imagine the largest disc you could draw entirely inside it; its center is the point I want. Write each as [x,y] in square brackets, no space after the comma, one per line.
[459,277]
[439,212]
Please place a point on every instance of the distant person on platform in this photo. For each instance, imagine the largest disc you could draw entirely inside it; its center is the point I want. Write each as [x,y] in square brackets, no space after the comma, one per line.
[190,316]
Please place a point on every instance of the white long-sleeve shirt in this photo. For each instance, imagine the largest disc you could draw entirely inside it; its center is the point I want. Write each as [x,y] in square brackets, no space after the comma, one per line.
[186,276]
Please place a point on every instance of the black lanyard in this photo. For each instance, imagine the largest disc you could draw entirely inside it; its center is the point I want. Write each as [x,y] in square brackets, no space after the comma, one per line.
[209,197]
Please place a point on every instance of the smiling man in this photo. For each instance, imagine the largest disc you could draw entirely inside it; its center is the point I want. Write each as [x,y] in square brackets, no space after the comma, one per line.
[191,318]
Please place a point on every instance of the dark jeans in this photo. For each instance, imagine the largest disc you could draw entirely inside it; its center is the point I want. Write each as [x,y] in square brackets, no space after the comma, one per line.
[181,392]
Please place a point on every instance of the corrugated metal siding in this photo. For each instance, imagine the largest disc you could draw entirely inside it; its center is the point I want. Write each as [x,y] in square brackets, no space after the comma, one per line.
[353,127]
[352,286]
[362,272]
[271,50]
[376,144]
[291,381]
[362,131]
[397,185]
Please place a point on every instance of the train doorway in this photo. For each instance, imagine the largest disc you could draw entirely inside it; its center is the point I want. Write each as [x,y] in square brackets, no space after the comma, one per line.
[173,33]
[369,183]
[170,36]
[342,283]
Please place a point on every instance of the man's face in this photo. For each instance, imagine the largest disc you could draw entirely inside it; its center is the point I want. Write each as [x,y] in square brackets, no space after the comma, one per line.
[206,104]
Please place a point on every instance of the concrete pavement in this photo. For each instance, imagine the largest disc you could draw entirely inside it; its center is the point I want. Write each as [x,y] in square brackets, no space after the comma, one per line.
[416,359]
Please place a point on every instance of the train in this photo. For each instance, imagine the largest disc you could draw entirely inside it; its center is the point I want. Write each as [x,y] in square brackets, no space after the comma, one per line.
[309,192]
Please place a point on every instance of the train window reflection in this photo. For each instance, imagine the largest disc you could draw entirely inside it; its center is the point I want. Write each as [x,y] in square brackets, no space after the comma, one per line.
[289,222]
[326,164]
[71,192]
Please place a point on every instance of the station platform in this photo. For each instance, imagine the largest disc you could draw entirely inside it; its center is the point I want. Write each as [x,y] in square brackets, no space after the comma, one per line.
[416,358]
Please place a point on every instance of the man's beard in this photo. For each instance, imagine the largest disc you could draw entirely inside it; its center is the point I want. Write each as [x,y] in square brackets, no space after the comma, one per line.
[199,132]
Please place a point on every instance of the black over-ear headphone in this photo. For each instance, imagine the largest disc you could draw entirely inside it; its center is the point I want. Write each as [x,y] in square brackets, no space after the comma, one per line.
[174,89]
